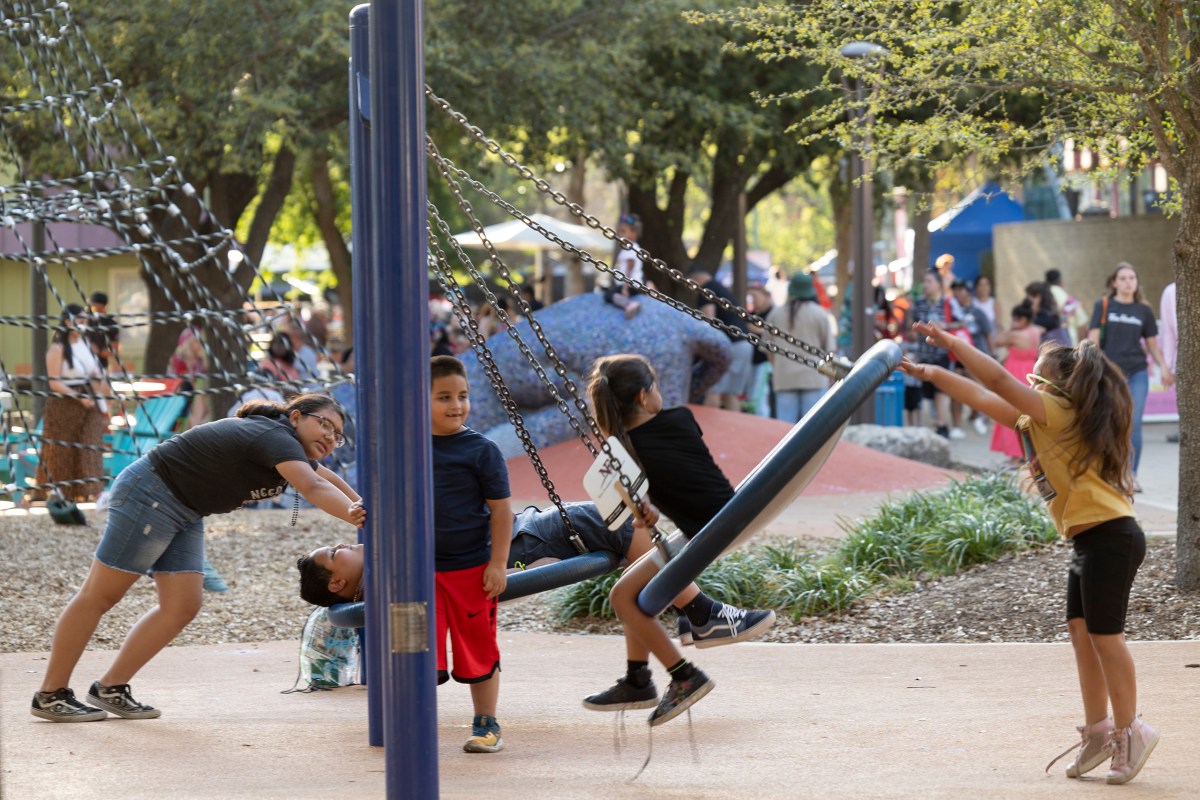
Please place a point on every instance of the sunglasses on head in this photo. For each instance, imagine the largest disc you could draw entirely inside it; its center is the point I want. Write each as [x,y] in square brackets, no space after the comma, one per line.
[1033,378]
[629,219]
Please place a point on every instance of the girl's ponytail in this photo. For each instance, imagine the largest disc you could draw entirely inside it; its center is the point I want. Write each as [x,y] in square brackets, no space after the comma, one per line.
[262,408]
[614,385]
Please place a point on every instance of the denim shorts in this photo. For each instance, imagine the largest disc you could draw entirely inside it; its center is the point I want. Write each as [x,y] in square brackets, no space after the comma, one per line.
[149,529]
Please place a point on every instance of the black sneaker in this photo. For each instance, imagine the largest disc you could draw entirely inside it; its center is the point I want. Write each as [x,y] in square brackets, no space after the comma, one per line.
[685,631]
[680,696]
[117,700]
[623,695]
[729,624]
[61,706]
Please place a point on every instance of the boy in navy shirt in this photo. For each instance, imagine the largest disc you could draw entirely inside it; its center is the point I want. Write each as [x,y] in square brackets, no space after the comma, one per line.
[473,529]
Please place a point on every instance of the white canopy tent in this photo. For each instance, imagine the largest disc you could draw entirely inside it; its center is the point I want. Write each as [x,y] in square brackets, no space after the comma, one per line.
[516,235]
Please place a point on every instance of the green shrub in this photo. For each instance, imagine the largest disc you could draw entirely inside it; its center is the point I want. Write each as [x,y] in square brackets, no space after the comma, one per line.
[927,534]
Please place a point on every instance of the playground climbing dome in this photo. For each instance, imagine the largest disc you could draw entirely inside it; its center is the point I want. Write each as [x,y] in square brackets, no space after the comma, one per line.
[77,158]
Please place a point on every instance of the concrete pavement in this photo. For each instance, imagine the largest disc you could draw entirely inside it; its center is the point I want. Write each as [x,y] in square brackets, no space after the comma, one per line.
[789,721]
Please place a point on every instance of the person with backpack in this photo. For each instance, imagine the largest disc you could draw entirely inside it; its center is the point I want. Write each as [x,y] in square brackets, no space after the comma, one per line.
[689,487]
[1121,323]
[1073,316]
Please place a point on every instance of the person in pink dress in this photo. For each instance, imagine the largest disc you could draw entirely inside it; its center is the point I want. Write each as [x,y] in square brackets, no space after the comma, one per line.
[1021,344]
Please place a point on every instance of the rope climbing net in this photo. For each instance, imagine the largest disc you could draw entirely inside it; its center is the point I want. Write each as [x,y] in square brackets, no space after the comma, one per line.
[78,163]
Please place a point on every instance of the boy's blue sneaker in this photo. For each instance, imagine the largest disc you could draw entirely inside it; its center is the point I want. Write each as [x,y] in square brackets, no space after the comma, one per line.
[729,624]
[485,736]
[680,696]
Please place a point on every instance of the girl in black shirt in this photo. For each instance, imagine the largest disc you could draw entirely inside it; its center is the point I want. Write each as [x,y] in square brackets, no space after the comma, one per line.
[687,484]
[155,527]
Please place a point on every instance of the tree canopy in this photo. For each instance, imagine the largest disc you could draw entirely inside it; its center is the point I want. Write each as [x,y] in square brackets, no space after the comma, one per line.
[1003,82]
[1121,77]
[655,101]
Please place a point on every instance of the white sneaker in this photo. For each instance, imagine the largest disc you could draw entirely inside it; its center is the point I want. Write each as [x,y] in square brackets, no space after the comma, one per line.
[957,434]
[1095,747]
[1131,747]
[981,426]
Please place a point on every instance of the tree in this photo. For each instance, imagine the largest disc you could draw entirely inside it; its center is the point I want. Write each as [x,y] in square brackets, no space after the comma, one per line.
[1121,77]
[233,92]
[692,118]
[655,101]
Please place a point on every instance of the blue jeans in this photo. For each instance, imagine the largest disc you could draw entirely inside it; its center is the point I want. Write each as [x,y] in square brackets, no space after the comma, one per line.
[792,405]
[1139,387]
[149,529]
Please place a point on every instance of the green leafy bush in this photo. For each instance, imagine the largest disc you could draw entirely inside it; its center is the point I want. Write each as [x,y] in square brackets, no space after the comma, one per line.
[924,535]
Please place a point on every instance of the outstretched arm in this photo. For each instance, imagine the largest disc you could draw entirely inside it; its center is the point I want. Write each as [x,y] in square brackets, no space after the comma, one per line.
[321,493]
[964,390]
[338,481]
[1001,396]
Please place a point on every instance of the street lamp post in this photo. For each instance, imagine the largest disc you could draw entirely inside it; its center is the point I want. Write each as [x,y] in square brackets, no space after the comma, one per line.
[863,294]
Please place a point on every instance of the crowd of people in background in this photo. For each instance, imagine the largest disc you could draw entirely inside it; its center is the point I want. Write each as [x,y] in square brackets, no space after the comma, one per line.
[771,385]
[300,351]
[1122,324]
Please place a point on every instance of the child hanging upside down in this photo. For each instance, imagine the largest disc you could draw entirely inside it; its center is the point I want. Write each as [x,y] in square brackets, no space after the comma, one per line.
[331,575]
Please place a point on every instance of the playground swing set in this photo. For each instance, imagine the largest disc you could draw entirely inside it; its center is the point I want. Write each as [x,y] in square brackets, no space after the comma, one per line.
[136,190]
[614,481]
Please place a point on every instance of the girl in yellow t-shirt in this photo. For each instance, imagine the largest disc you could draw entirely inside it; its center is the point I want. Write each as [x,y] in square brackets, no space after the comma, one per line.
[1074,419]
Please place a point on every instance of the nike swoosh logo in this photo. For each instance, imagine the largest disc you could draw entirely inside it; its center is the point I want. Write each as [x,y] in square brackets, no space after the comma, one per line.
[476,614]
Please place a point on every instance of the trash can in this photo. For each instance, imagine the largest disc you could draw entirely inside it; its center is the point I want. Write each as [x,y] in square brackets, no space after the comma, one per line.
[889,401]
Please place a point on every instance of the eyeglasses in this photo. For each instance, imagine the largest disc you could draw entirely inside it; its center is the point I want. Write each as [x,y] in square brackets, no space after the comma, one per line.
[1033,378]
[329,428]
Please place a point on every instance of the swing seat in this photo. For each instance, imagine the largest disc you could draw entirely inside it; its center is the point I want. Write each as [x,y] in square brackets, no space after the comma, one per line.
[520,584]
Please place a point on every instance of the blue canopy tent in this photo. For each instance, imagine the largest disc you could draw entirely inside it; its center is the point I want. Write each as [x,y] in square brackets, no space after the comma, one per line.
[965,231]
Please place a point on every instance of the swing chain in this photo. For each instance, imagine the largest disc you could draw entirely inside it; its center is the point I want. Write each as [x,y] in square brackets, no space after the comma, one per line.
[826,363]
[560,368]
[470,326]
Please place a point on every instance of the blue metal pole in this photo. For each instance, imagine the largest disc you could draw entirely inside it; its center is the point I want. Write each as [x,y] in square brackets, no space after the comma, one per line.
[400,600]
[360,217]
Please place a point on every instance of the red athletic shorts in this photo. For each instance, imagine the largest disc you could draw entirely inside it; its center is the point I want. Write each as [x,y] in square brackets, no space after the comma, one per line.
[465,612]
